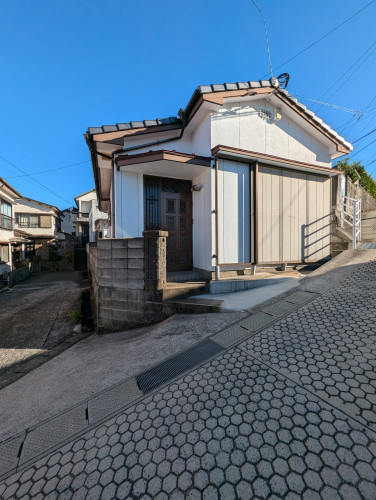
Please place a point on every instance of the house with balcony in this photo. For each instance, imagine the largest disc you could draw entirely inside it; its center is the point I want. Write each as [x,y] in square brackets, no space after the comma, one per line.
[41,222]
[90,223]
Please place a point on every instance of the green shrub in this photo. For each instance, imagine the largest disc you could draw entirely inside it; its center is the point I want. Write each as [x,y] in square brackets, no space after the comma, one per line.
[76,316]
[356,172]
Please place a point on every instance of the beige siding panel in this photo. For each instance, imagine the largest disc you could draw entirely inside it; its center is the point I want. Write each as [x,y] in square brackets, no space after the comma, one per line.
[45,220]
[294,216]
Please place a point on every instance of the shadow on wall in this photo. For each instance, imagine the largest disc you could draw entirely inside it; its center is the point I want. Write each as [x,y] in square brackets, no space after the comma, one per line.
[316,238]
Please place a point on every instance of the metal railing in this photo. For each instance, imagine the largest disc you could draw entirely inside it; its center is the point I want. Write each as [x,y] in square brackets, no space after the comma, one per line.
[351,213]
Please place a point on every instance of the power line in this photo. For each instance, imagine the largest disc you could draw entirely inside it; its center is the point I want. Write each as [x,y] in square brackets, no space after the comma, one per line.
[43,186]
[266,35]
[344,74]
[44,171]
[353,73]
[365,147]
[335,106]
[322,37]
[363,136]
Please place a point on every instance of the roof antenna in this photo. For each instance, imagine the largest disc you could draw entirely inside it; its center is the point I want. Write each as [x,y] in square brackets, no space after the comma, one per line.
[266,36]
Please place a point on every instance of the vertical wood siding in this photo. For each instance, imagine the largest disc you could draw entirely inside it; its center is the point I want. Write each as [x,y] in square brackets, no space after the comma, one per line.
[294,216]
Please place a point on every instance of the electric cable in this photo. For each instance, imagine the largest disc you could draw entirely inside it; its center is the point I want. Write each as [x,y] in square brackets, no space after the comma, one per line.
[322,37]
[43,186]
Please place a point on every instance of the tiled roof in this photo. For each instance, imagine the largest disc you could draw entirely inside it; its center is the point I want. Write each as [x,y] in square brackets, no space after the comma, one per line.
[131,125]
[206,89]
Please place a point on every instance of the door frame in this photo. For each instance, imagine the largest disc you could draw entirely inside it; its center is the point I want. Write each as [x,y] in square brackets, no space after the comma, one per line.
[153,218]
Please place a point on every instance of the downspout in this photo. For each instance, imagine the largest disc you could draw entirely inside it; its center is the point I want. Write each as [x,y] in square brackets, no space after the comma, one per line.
[113,203]
[217,270]
[256,248]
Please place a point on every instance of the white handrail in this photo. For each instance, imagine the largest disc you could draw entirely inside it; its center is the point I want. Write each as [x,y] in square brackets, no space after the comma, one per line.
[355,216]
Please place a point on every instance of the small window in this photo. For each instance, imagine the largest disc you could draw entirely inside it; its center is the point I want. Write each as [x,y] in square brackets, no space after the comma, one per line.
[4,253]
[5,215]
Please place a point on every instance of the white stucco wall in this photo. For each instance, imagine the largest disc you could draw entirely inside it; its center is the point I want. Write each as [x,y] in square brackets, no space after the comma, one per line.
[239,125]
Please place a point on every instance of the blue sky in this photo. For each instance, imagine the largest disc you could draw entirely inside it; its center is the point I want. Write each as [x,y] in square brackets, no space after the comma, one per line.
[66,65]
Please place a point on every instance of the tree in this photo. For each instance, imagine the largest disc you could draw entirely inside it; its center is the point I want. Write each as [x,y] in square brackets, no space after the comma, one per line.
[356,172]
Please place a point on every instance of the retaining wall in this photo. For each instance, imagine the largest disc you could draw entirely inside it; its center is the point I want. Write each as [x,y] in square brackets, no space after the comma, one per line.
[127,279]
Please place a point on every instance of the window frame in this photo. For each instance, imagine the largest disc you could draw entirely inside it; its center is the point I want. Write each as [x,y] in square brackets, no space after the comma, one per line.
[28,215]
[4,216]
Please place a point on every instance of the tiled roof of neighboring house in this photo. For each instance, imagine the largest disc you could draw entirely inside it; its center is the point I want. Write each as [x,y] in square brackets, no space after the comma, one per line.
[205,89]
[19,200]
[83,194]
[4,183]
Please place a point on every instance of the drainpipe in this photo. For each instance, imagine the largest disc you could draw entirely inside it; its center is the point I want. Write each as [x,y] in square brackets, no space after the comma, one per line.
[217,270]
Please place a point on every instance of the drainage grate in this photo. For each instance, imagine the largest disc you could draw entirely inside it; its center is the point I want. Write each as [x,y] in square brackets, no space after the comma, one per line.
[162,373]
[367,246]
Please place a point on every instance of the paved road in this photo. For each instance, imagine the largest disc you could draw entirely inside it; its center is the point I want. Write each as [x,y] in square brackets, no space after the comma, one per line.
[287,413]
[35,315]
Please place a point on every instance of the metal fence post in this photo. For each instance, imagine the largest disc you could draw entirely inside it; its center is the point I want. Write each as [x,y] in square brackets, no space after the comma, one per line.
[355,217]
[342,209]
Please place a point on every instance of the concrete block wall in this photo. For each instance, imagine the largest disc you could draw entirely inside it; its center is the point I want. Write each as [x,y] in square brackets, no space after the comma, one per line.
[127,276]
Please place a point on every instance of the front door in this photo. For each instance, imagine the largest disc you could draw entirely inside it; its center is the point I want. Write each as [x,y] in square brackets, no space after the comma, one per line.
[176,218]
[168,206]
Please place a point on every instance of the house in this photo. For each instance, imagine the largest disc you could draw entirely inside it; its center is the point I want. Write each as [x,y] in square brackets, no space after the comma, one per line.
[90,223]
[242,177]
[12,242]
[41,223]
[68,216]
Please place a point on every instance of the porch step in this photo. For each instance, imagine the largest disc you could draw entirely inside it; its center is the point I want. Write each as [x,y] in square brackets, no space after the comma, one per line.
[191,306]
[239,285]
[184,276]
[184,290]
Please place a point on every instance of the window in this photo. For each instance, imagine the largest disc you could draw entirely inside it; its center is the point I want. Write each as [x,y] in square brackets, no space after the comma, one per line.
[28,220]
[4,253]
[5,215]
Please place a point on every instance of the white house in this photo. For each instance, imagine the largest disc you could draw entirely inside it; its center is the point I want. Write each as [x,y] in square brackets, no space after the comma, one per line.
[242,177]
[90,223]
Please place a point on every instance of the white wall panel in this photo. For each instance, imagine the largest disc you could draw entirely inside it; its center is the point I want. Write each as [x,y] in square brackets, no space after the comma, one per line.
[129,205]
[202,230]
[233,212]
[240,125]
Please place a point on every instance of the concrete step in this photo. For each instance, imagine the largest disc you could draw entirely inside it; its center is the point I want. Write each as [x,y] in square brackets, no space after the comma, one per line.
[191,306]
[184,290]
[239,285]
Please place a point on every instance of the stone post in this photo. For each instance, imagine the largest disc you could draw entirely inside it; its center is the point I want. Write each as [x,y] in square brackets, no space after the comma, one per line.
[155,259]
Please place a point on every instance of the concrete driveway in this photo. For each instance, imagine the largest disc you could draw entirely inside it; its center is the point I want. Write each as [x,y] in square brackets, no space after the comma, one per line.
[283,407]
[35,317]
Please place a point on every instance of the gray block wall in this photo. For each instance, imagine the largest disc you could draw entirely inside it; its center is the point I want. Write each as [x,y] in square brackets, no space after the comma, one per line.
[127,277]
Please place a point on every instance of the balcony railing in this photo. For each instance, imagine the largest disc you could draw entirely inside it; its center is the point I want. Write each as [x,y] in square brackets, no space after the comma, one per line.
[83,217]
[6,222]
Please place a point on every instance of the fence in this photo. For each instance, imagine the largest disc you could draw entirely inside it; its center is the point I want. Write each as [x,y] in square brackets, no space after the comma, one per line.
[351,214]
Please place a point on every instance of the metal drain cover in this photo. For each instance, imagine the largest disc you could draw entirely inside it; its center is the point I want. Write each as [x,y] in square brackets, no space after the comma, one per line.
[168,370]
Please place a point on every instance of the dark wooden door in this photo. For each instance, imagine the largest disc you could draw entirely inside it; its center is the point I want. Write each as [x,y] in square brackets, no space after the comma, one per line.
[176,218]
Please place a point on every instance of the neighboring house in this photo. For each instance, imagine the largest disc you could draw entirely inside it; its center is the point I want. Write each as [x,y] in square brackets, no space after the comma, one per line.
[90,223]
[11,241]
[68,217]
[41,222]
[242,177]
